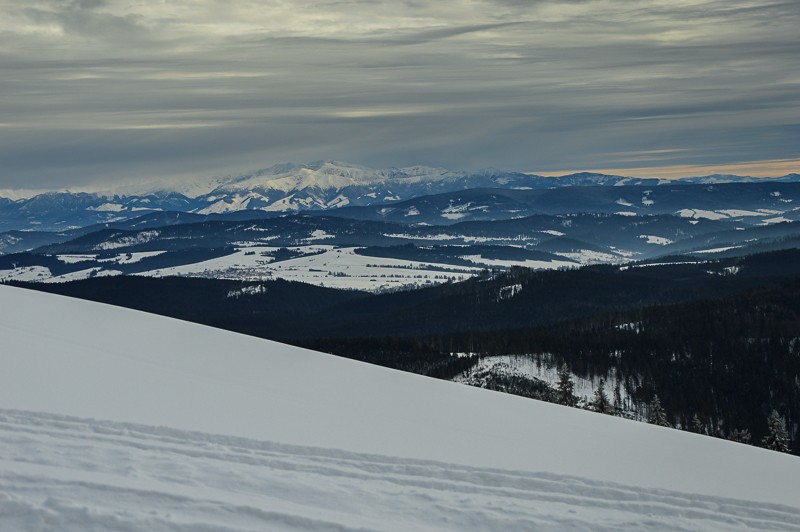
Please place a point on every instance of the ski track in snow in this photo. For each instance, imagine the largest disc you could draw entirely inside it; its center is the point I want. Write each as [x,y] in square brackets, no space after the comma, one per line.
[67,473]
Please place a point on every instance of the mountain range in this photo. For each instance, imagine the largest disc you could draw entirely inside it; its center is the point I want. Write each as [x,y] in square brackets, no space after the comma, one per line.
[321,185]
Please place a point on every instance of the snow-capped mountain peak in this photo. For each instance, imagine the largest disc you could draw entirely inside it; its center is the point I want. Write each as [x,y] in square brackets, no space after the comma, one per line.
[289,187]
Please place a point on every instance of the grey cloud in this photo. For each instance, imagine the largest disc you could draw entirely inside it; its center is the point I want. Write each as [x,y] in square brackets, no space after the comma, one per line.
[445,33]
[95,90]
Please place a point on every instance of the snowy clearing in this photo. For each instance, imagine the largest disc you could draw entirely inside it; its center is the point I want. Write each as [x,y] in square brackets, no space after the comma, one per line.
[544,370]
[528,263]
[657,240]
[322,265]
[25,273]
[716,250]
[586,257]
[700,213]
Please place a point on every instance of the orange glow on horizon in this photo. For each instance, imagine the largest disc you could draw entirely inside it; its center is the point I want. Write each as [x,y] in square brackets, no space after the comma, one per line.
[768,168]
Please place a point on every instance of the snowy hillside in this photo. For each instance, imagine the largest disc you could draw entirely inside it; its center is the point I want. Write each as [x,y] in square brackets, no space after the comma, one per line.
[115,419]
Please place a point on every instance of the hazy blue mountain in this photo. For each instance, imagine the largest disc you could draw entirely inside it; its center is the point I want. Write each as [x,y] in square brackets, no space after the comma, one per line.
[326,185]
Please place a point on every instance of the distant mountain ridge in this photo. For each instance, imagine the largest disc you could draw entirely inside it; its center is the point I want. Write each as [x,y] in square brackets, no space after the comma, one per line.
[321,185]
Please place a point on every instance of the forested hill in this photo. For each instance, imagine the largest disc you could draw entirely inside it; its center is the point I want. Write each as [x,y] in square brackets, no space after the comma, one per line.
[728,361]
[518,298]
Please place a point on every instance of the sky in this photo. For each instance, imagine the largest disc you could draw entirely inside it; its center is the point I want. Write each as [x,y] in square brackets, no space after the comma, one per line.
[111,91]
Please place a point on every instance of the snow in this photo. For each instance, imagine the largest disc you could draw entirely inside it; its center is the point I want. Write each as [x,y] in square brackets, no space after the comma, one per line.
[456,212]
[115,419]
[716,250]
[732,270]
[128,240]
[724,213]
[73,276]
[319,234]
[651,264]
[321,265]
[131,258]
[122,258]
[507,292]
[339,201]
[546,371]
[293,439]
[247,291]
[72,259]
[244,263]
[107,207]
[81,275]
[528,263]
[736,213]
[776,220]
[237,202]
[25,273]
[658,240]
[217,207]
[699,213]
[440,236]
[586,256]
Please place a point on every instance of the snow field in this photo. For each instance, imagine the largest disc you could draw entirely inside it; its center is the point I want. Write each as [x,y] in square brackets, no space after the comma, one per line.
[113,418]
[64,473]
[323,265]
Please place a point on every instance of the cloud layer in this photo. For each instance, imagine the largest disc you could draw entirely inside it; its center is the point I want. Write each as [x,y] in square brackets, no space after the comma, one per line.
[101,90]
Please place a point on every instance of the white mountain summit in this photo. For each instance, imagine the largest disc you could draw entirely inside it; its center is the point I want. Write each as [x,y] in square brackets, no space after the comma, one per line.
[324,185]
[320,185]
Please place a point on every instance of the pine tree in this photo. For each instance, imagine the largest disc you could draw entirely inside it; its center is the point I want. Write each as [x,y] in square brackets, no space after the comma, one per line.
[741,436]
[657,414]
[565,394]
[618,406]
[778,437]
[696,425]
[600,402]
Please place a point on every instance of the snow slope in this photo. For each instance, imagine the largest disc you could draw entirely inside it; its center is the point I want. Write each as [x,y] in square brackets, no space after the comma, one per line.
[112,418]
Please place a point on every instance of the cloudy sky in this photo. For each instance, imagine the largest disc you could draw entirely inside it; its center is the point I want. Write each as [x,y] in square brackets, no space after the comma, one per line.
[118,90]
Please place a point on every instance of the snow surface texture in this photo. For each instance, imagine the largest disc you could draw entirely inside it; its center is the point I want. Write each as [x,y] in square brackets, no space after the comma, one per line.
[212,430]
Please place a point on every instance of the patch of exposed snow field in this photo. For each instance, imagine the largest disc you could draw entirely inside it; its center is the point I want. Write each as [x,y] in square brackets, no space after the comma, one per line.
[716,250]
[586,256]
[545,371]
[528,263]
[322,265]
[116,419]
[25,273]
[700,213]
[657,240]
